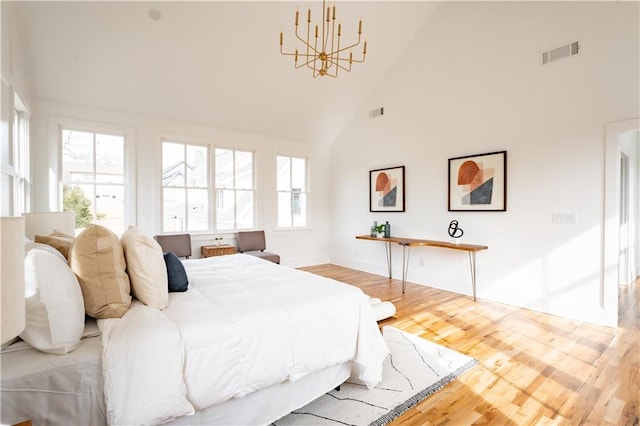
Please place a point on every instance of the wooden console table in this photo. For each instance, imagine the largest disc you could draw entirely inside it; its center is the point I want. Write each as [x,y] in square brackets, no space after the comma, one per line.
[407,243]
[221,250]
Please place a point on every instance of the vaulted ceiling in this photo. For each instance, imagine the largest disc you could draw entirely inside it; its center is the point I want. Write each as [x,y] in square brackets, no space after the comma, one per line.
[215,63]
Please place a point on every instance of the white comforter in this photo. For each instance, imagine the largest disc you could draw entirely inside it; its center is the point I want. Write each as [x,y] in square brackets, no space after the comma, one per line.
[243,325]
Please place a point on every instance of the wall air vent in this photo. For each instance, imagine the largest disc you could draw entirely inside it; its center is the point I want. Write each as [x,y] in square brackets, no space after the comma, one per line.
[376,112]
[560,52]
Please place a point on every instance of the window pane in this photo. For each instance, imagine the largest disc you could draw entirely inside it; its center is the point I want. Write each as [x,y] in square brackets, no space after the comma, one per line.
[284,173]
[173,209]
[198,209]
[173,164]
[110,207]
[109,159]
[244,170]
[224,168]
[109,178]
[225,212]
[244,200]
[197,175]
[82,177]
[77,154]
[299,208]
[284,209]
[298,173]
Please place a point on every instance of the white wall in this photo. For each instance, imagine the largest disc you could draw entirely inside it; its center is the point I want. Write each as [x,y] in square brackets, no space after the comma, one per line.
[296,247]
[14,70]
[13,81]
[472,83]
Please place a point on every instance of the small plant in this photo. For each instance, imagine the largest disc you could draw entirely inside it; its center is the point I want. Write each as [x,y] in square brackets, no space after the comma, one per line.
[218,239]
[379,228]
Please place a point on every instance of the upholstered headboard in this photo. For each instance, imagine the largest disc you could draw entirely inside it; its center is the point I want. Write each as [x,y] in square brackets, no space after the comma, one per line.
[45,223]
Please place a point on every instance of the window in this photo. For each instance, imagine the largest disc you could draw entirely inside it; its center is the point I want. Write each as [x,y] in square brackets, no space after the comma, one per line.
[235,192]
[15,158]
[93,177]
[21,159]
[292,191]
[185,187]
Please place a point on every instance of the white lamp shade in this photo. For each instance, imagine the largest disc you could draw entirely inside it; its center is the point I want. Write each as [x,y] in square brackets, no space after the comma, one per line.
[47,222]
[12,277]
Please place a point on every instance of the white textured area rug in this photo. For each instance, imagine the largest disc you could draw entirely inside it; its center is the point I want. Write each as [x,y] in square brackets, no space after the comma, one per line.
[415,369]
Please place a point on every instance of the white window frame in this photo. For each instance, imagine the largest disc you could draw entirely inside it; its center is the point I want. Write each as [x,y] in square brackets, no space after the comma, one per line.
[15,183]
[59,123]
[216,190]
[21,142]
[307,191]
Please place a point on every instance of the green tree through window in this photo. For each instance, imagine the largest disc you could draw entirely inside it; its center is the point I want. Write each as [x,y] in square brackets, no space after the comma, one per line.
[74,200]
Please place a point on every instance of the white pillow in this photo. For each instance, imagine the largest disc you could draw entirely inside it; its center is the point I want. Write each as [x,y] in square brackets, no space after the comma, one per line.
[54,304]
[146,268]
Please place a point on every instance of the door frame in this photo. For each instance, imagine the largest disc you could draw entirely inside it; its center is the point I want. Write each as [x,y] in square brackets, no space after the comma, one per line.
[611,218]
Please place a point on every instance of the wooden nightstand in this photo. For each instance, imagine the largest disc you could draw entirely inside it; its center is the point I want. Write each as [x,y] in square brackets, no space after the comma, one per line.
[208,251]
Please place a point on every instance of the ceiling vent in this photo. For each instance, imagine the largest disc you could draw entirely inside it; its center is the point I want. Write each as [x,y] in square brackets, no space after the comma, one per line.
[560,52]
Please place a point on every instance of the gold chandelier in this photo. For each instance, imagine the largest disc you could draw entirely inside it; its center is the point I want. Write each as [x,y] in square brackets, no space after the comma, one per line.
[322,51]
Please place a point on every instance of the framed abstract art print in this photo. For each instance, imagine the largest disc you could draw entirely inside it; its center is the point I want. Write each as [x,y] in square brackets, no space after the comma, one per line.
[478,182]
[386,190]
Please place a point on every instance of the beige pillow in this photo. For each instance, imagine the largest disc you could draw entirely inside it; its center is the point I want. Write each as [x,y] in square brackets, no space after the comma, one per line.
[146,269]
[58,240]
[97,259]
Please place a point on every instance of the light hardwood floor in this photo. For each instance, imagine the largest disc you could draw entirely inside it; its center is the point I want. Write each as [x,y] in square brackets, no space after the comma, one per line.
[533,368]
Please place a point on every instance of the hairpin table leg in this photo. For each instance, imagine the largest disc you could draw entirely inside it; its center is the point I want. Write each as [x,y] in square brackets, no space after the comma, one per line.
[387,249]
[406,252]
[472,265]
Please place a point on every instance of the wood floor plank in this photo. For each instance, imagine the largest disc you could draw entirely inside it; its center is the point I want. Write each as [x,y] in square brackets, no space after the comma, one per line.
[532,368]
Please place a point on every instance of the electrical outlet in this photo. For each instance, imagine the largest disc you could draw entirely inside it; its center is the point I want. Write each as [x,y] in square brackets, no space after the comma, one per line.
[567,218]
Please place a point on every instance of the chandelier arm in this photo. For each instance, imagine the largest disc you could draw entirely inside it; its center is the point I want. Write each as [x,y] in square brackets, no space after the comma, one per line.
[347,47]
[359,61]
[311,64]
[337,54]
[306,42]
[346,68]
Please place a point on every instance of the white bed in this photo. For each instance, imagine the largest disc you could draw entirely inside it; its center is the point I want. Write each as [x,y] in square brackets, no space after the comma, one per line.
[249,342]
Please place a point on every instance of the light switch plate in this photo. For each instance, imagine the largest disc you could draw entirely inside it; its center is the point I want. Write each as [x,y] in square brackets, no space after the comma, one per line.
[564,218]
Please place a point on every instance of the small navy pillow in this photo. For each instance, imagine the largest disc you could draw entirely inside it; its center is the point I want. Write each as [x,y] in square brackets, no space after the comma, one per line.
[176,274]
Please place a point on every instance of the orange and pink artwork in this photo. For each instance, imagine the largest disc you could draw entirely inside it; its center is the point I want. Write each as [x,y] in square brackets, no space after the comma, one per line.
[386,189]
[478,182]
